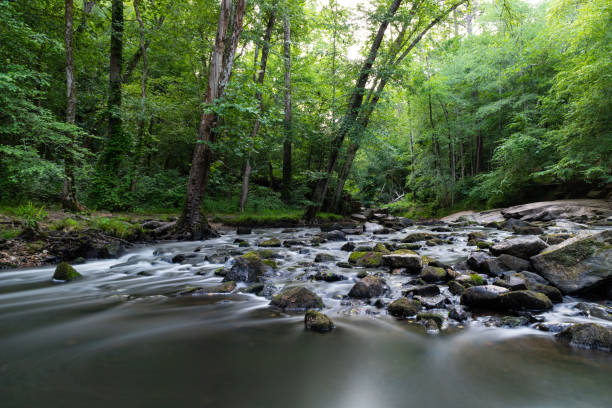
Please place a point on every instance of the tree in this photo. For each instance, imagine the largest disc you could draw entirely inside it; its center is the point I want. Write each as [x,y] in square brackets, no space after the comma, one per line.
[69,197]
[286,192]
[192,223]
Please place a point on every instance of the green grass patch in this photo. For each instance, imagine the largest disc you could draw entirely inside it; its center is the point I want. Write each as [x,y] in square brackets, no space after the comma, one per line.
[115,226]
[9,233]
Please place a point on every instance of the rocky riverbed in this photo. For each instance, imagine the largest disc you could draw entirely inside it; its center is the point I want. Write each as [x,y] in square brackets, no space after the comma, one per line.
[508,307]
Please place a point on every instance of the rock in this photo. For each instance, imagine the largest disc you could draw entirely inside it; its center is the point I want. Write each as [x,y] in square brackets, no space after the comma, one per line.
[246,268]
[578,263]
[587,335]
[367,259]
[513,321]
[317,321]
[477,260]
[348,247]
[475,236]
[343,265]
[418,236]
[241,230]
[511,282]
[423,290]
[524,300]
[432,302]
[370,286]
[335,235]
[493,267]
[410,261]
[554,239]
[458,314]
[270,243]
[380,247]
[255,288]
[595,311]
[328,277]
[403,307]
[359,217]
[224,287]
[297,298]
[514,263]
[521,247]
[324,258]
[293,242]
[485,296]
[65,272]
[431,274]
[527,230]
[434,242]
[455,288]
[437,318]
[551,292]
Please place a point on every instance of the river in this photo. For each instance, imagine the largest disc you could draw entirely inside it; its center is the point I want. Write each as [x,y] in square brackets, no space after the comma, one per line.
[121,337]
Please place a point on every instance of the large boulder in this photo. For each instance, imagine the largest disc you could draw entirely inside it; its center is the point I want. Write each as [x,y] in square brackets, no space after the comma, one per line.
[403,259]
[588,335]
[524,300]
[485,296]
[404,307]
[65,272]
[521,247]
[368,287]
[431,274]
[270,243]
[246,268]
[514,263]
[335,235]
[477,260]
[297,298]
[418,236]
[578,263]
[317,321]
[369,259]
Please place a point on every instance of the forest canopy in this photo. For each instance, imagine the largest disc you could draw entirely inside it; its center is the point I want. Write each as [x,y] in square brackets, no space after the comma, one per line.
[422,105]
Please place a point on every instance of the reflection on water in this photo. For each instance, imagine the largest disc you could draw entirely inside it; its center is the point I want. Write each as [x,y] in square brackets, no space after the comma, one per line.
[117,338]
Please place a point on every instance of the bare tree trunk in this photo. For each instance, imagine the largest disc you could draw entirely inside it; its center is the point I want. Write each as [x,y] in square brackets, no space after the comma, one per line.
[286,191]
[343,176]
[265,51]
[192,224]
[69,198]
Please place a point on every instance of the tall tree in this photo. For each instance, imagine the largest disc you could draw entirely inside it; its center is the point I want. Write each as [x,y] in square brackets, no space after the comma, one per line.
[69,197]
[192,223]
[286,191]
[143,90]
[261,73]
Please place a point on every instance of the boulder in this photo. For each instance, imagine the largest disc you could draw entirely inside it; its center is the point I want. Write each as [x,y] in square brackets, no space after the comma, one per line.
[246,269]
[348,247]
[328,277]
[587,335]
[457,313]
[241,230]
[477,260]
[435,317]
[335,235]
[270,243]
[324,258]
[423,290]
[65,272]
[297,298]
[432,302]
[485,296]
[368,287]
[527,230]
[317,321]
[431,274]
[403,307]
[397,259]
[418,236]
[514,263]
[524,300]
[367,259]
[578,263]
[593,310]
[475,236]
[521,247]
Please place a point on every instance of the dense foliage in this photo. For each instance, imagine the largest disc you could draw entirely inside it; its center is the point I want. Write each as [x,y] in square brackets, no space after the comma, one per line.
[498,103]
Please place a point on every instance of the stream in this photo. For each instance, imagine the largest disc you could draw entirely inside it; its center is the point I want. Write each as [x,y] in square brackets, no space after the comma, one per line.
[122,337]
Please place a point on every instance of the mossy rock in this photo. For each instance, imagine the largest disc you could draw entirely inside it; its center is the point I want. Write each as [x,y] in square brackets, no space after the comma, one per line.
[438,319]
[243,244]
[255,288]
[431,274]
[380,247]
[324,258]
[367,259]
[418,236]
[403,251]
[270,243]
[525,300]
[426,260]
[271,263]
[297,298]
[476,279]
[370,286]
[220,272]
[404,307]
[484,244]
[588,335]
[65,272]
[317,321]
[407,245]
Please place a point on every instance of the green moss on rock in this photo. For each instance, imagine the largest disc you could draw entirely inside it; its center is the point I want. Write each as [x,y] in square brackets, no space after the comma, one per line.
[65,272]
[317,321]
[367,259]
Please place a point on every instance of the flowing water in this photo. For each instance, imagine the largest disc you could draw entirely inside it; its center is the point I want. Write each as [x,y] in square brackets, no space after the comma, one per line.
[121,337]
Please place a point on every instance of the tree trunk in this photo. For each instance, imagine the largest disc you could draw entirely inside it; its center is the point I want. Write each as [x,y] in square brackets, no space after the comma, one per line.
[265,51]
[343,176]
[69,198]
[192,224]
[143,96]
[116,144]
[286,191]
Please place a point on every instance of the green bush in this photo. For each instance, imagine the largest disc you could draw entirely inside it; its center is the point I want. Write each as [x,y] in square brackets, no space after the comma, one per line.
[31,214]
